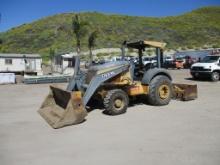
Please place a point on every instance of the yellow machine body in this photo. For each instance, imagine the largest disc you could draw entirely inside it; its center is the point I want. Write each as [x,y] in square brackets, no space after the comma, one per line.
[137,89]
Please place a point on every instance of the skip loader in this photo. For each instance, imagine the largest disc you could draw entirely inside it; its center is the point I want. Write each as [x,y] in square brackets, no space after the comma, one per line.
[115,83]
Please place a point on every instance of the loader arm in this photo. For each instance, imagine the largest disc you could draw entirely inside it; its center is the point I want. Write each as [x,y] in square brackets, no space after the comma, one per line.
[101,78]
[76,76]
[76,83]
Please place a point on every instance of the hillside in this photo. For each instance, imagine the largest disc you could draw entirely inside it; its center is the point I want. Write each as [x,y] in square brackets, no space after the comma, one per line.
[195,29]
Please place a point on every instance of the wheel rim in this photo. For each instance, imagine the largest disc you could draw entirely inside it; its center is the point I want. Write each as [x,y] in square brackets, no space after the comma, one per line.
[164,91]
[118,104]
[215,76]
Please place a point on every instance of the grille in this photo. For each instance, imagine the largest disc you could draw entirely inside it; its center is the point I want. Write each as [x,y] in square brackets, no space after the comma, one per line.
[197,68]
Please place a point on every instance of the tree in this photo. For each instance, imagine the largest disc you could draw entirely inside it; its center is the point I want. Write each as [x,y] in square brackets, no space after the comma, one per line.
[0,38]
[51,56]
[1,42]
[91,43]
[80,30]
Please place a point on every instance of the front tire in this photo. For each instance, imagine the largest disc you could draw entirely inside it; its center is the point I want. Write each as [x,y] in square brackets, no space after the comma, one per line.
[116,102]
[195,76]
[160,91]
[215,76]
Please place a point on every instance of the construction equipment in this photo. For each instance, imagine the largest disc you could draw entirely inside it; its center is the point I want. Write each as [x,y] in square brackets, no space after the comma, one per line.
[114,83]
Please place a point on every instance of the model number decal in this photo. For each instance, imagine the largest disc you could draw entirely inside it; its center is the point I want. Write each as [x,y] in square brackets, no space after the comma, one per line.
[106,75]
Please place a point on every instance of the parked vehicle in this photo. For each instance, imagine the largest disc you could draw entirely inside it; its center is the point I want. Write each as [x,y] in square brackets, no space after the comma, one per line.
[147,60]
[126,58]
[208,67]
[168,59]
[115,58]
[177,63]
[189,61]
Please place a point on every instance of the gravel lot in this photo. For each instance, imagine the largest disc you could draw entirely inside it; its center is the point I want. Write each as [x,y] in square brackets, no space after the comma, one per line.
[183,133]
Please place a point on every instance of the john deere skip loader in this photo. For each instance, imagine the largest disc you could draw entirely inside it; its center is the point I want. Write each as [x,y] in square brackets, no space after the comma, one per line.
[114,83]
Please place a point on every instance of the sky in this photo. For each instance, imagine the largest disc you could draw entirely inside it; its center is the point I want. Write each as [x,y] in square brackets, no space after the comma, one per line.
[17,12]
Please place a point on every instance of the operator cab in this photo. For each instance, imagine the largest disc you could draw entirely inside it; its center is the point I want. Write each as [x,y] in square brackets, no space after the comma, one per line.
[139,68]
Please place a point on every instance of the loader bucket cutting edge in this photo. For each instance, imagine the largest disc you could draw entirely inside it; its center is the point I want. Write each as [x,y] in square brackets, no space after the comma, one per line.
[62,108]
[185,92]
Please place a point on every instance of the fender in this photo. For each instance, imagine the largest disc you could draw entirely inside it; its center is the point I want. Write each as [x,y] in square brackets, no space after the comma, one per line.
[151,73]
[216,70]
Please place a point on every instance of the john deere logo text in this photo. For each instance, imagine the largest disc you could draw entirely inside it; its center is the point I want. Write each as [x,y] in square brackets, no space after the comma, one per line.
[106,75]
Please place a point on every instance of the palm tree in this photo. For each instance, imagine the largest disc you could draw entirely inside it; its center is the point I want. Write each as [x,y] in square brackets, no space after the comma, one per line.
[51,56]
[91,44]
[0,38]
[80,30]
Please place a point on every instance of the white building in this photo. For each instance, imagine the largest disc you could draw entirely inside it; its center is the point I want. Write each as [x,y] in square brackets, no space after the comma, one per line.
[64,63]
[21,63]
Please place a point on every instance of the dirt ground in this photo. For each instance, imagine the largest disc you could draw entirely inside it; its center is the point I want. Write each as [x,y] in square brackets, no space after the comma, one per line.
[183,133]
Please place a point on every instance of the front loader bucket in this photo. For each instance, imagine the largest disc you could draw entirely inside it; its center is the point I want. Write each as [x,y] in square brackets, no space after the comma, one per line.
[185,92]
[62,108]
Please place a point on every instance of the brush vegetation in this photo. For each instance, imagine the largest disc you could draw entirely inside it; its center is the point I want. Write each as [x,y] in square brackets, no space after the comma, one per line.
[199,28]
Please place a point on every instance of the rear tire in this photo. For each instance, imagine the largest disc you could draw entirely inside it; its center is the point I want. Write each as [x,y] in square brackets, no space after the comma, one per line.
[116,102]
[160,91]
[215,76]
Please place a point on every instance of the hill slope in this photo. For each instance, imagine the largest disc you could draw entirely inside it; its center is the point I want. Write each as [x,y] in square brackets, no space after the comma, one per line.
[195,29]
